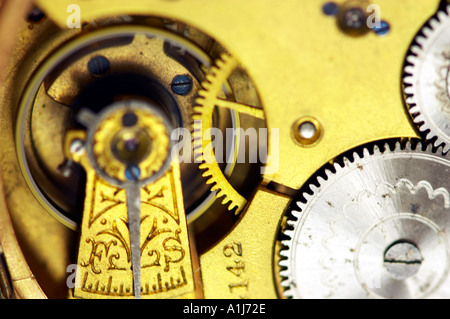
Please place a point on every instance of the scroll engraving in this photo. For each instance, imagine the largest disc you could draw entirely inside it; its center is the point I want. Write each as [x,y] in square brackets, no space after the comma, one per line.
[104,254]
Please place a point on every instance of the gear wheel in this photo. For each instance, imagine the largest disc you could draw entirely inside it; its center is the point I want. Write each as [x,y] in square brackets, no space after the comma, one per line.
[427,80]
[203,117]
[376,226]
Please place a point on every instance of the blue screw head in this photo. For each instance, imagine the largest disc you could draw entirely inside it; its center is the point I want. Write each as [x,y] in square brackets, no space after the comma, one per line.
[182,84]
[36,15]
[129,119]
[98,66]
[383,28]
[330,9]
[133,173]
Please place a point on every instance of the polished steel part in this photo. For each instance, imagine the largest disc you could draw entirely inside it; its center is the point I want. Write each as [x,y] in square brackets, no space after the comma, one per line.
[375,227]
[134,225]
[427,83]
[402,259]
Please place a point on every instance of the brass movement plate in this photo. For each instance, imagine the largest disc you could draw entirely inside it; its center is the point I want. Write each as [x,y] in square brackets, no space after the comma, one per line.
[302,65]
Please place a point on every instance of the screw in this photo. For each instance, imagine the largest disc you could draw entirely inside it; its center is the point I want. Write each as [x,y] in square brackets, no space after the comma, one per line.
[383,29]
[98,66]
[182,84]
[36,15]
[402,259]
[353,21]
[129,119]
[330,9]
[132,173]
[76,146]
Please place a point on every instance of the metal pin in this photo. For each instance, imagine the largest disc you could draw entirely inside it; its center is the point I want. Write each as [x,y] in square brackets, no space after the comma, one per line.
[134,225]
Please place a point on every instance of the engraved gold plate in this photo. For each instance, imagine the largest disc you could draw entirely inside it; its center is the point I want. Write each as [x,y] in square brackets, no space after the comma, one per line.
[104,258]
[106,267]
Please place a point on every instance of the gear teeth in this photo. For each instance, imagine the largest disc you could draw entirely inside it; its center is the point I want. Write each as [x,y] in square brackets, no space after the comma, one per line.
[197,125]
[210,77]
[347,161]
[328,173]
[320,181]
[420,49]
[442,15]
[210,181]
[202,94]
[426,32]
[216,187]
[295,215]
[226,201]
[366,152]
[417,50]
[223,60]
[409,70]
[204,166]
[205,104]
[429,148]
[398,146]
[414,110]
[290,223]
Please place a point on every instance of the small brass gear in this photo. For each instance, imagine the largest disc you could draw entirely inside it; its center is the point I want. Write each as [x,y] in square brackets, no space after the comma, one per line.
[149,128]
[202,123]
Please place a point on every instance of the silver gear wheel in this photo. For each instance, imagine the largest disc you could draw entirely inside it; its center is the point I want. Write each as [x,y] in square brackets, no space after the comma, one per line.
[377,226]
[427,80]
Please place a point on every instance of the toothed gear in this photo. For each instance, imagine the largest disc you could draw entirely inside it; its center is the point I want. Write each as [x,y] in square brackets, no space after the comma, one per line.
[203,113]
[427,80]
[376,227]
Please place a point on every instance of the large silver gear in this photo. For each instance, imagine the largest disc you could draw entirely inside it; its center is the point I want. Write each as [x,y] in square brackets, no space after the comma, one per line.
[427,80]
[377,226]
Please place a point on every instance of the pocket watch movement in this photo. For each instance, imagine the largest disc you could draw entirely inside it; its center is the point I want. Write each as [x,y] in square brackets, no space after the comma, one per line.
[224,149]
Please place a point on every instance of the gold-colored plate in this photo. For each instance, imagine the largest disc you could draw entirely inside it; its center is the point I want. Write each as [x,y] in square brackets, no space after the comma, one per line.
[302,66]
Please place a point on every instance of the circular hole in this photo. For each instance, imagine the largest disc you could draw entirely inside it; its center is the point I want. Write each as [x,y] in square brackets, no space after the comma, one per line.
[307,131]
